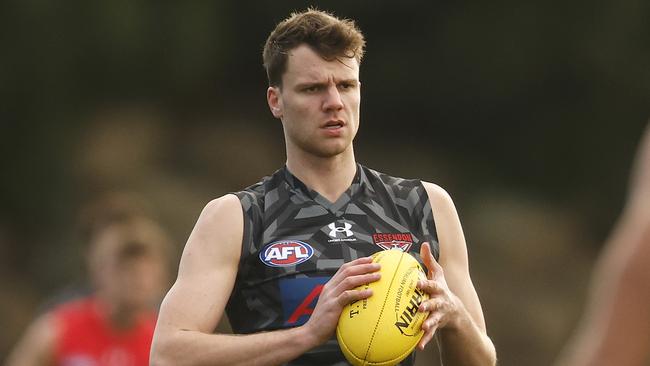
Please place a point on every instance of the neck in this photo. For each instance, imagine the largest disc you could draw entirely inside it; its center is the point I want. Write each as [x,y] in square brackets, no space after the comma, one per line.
[330,176]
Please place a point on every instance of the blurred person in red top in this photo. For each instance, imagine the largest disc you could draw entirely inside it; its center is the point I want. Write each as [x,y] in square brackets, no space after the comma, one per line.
[615,329]
[127,259]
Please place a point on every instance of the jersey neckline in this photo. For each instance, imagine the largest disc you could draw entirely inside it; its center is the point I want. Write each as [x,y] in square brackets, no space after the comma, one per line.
[337,207]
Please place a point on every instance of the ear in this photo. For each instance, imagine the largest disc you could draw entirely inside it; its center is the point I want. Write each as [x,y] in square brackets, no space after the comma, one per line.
[274,98]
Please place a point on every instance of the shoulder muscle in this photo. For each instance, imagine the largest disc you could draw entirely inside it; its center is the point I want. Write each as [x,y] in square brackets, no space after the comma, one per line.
[216,237]
[450,232]
[207,270]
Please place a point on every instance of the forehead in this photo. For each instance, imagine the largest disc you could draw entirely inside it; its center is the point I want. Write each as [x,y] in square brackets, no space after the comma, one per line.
[304,65]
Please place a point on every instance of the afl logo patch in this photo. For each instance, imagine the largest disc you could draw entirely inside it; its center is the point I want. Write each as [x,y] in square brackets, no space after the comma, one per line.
[286,253]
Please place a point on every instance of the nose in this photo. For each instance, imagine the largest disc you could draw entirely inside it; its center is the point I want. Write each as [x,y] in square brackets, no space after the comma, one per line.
[333,101]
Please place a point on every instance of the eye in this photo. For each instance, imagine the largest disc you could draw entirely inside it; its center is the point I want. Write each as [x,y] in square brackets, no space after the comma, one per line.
[311,89]
[347,85]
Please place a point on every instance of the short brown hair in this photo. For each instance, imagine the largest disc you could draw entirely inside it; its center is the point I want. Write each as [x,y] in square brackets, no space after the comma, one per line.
[326,34]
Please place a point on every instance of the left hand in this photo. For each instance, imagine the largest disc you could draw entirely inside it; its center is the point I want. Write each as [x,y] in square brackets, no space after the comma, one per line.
[443,306]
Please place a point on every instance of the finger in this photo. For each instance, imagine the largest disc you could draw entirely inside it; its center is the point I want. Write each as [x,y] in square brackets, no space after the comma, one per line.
[431,287]
[431,305]
[427,258]
[429,261]
[350,296]
[432,322]
[426,338]
[359,269]
[352,282]
[353,268]
[357,261]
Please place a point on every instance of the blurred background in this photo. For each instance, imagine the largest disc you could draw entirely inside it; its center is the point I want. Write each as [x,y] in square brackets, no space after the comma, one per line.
[528,113]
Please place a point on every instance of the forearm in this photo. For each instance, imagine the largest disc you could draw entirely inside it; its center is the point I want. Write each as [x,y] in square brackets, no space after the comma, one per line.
[185,347]
[464,343]
[615,329]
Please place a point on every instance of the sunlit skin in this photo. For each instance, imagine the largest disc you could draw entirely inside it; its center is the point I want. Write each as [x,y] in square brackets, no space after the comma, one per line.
[615,329]
[318,104]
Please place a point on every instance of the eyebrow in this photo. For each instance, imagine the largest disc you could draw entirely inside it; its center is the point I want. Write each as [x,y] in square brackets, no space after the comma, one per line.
[307,84]
[320,83]
[350,81]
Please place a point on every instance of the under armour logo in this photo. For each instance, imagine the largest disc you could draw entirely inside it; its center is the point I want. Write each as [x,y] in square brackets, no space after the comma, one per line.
[344,229]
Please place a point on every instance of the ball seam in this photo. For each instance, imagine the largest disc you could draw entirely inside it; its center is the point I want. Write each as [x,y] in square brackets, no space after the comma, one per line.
[381,312]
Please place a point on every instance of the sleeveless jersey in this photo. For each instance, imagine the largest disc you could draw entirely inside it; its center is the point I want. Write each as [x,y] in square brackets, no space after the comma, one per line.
[295,240]
[85,338]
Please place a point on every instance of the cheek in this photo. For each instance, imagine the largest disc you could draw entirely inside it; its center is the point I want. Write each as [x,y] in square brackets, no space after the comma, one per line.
[353,101]
[297,109]
[355,107]
[357,101]
[297,119]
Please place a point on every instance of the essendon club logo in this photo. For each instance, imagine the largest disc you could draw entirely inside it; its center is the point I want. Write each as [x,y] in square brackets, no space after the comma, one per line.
[387,241]
[286,253]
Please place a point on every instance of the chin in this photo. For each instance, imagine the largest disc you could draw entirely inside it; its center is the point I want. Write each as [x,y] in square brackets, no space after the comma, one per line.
[328,150]
[328,153]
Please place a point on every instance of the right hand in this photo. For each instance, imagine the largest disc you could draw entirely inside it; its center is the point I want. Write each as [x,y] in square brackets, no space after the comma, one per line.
[338,292]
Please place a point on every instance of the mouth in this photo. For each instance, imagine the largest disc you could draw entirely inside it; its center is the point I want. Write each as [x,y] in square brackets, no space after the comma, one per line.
[334,124]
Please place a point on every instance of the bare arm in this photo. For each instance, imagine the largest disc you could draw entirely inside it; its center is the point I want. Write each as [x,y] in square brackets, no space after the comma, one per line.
[36,348]
[456,312]
[616,327]
[196,302]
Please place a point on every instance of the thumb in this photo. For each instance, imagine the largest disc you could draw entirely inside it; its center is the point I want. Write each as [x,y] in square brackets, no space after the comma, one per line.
[429,261]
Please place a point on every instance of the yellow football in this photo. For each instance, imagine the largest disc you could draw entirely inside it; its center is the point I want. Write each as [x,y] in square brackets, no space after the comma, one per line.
[385,328]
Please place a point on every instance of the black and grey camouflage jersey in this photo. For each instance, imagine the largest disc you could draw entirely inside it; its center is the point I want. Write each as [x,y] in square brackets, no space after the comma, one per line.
[295,240]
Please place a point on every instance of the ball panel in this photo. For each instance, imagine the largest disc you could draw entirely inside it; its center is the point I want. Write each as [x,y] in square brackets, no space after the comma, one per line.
[385,328]
[359,319]
[401,321]
[347,352]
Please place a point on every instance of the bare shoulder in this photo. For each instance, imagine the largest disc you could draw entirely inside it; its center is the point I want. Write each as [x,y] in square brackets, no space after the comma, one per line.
[207,270]
[453,249]
[440,200]
[37,345]
[216,237]
[223,215]
[435,190]
[224,207]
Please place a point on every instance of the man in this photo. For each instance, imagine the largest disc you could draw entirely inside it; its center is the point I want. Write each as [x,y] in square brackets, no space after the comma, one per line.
[306,232]
[127,260]
[616,326]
